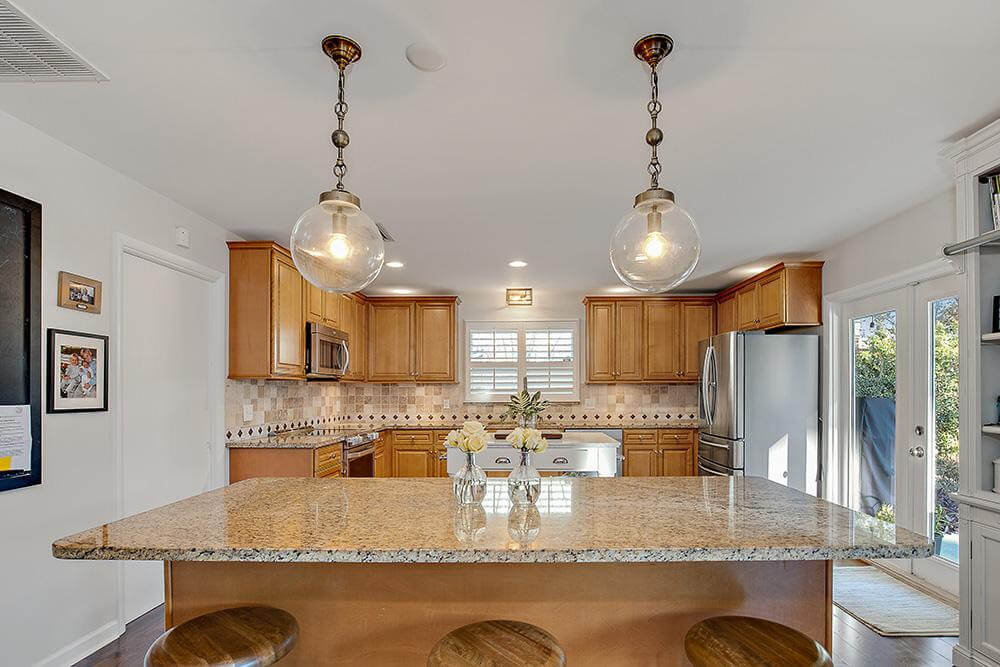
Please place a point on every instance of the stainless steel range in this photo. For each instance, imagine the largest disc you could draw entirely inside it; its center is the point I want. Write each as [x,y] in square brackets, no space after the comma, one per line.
[576,453]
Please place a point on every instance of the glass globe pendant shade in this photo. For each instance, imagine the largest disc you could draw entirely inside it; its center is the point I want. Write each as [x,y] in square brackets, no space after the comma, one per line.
[656,245]
[336,246]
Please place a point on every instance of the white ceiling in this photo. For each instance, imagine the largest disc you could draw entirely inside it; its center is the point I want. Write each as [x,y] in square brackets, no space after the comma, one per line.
[789,125]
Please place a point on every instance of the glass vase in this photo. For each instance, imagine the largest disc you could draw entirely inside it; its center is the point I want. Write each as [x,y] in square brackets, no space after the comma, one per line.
[528,422]
[524,484]
[469,483]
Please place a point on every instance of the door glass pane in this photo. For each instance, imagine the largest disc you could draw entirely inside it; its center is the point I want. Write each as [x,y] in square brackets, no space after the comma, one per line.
[873,380]
[943,470]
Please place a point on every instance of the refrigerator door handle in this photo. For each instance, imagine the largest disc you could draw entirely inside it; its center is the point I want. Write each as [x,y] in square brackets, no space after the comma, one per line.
[704,384]
[710,375]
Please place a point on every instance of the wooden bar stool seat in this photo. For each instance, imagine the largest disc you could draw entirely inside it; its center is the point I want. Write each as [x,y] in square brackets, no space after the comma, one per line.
[497,644]
[725,641]
[241,636]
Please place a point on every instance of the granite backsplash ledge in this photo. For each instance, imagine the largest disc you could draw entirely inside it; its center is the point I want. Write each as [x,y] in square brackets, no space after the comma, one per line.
[284,405]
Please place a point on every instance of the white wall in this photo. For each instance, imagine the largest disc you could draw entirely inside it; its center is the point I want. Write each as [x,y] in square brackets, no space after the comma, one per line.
[912,238]
[50,610]
[879,254]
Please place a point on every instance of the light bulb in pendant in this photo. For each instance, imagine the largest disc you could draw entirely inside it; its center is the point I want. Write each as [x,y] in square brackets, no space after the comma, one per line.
[339,246]
[655,244]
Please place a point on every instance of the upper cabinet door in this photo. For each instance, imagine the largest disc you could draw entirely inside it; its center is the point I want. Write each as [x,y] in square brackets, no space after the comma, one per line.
[746,308]
[697,319]
[628,341]
[662,340]
[726,314]
[771,300]
[601,341]
[331,309]
[389,334]
[288,329]
[359,340]
[314,302]
[435,341]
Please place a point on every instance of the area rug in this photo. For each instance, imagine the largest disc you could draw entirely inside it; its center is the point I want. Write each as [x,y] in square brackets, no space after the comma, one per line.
[890,607]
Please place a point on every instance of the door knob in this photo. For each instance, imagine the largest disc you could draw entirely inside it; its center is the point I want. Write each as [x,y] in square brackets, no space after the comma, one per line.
[917,452]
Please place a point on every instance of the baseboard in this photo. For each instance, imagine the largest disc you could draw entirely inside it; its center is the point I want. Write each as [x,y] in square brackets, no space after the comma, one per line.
[962,657]
[84,646]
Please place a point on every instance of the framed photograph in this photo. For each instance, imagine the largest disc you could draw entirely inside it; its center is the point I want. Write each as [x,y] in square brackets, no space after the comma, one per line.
[79,293]
[78,372]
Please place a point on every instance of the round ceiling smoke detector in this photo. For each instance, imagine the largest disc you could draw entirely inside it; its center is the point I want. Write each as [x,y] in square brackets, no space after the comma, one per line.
[425,57]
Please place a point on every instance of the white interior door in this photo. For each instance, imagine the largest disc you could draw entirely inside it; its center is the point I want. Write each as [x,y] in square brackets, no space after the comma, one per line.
[167,407]
[933,450]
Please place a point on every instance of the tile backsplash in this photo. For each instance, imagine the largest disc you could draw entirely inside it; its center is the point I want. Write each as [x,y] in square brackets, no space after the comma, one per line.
[278,405]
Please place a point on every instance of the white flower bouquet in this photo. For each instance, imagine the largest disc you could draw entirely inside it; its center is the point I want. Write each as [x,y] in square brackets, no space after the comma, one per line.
[527,440]
[471,438]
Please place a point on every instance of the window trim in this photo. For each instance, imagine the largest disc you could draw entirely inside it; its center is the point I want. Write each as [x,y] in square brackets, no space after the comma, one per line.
[521,326]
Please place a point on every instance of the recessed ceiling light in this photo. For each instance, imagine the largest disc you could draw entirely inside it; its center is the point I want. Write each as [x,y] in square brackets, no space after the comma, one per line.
[394,265]
[517,264]
[425,57]
[400,290]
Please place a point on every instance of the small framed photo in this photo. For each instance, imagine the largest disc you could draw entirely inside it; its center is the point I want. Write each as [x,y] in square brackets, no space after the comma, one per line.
[79,293]
[78,372]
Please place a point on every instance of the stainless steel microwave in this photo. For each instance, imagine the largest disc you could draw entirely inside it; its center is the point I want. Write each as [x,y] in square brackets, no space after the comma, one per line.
[327,354]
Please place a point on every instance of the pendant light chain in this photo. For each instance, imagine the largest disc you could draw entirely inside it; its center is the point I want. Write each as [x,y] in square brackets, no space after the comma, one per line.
[654,135]
[340,137]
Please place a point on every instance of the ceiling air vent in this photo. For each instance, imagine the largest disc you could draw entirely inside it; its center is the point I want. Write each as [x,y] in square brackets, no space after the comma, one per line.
[29,52]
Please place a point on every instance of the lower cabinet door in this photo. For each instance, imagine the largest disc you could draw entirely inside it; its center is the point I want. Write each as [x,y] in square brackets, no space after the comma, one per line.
[641,460]
[413,461]
[985,591]
[678,460]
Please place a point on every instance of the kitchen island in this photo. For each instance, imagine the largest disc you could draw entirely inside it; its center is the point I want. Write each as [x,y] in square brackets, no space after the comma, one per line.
[376,570]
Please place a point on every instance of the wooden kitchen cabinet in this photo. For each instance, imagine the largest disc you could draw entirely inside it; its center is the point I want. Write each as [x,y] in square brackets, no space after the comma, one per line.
[357,369]
[725,313]
[381,461]
[314,303]
[267,312]
[418,453]
[658,453]
[331,309]
[646,339]
[698,323]
[746,307]
[785,295]
[248,462]
[412,340]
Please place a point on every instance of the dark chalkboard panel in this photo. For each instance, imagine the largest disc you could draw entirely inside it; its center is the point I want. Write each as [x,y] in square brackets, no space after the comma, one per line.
[21,322]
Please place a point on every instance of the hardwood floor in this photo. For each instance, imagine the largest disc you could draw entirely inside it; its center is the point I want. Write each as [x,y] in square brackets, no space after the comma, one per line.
[854,645]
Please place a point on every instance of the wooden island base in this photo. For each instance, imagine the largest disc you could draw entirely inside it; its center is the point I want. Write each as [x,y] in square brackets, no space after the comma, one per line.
[601,613]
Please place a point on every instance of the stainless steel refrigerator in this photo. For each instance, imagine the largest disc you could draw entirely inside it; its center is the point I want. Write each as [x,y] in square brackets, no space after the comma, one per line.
[758,407]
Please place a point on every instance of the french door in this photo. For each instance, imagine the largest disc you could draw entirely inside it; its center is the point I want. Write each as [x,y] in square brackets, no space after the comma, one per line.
[901,407]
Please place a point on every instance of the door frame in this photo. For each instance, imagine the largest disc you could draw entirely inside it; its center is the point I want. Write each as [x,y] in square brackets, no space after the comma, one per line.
[836,359]
[123,245]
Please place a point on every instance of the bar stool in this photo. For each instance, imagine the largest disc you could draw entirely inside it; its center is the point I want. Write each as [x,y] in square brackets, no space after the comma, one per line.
[741,640]
[497,644]
[243,636]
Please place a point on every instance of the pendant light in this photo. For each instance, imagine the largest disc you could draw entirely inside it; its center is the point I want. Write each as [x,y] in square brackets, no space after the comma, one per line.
[656,245]
[335,245]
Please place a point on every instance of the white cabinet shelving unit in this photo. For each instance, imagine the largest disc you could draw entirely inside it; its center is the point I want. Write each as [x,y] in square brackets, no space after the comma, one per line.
[975,157]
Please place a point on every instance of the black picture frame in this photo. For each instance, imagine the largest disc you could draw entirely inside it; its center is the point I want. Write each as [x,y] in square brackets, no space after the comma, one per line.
[53,373]
[21,378]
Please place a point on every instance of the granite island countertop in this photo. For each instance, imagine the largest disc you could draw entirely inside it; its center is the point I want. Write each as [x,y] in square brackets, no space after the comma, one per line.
[620,519]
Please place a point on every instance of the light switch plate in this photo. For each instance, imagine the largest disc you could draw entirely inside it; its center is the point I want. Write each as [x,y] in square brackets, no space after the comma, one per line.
[182,237]
[589,404]
[247,412]
[447,404]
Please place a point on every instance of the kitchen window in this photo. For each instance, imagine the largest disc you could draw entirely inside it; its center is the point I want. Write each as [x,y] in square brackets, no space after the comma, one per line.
[500,355]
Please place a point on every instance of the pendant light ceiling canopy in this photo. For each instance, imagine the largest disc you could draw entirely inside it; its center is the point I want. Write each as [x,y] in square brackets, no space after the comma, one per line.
[335,245]
[656,245]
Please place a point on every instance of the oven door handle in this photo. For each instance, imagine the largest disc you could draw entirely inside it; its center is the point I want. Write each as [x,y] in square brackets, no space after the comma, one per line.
[364,452]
